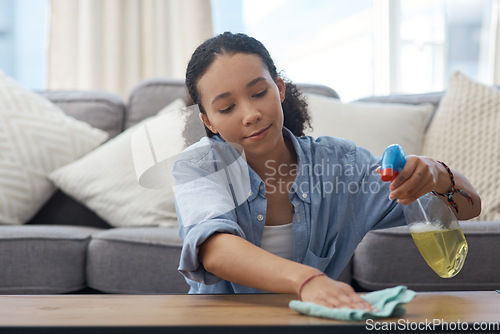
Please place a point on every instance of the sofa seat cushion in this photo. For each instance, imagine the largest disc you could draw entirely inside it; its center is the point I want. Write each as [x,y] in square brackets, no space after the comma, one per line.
[136,260]
[43,259]
[386,258]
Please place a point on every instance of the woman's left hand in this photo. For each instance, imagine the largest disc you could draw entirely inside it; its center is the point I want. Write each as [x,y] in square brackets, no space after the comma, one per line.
[419,176]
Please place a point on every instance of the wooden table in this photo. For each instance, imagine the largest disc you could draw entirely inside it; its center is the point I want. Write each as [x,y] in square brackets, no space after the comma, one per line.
[221,313]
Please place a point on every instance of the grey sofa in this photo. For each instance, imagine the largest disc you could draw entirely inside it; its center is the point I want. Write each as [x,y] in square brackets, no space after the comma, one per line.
[67,248]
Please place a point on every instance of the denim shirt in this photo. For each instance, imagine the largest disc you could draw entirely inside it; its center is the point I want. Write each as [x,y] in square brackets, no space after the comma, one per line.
[337,196]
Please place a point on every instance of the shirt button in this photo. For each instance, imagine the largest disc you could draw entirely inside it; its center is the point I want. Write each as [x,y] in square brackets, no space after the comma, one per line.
[260,217]
[261,187]
[304,195]
[250,193]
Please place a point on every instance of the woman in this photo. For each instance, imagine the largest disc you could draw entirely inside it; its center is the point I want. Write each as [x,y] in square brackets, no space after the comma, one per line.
[310,201]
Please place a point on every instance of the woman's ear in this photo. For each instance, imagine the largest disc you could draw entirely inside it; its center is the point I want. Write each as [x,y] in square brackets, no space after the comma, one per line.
[207,123]
[282,88]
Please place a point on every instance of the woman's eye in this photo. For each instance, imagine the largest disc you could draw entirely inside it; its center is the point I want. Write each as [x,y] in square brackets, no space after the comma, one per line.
[260,94]
[226,110]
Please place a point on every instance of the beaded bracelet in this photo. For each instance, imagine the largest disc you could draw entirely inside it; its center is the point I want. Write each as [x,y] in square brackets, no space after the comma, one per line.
[453,190]
[306,281]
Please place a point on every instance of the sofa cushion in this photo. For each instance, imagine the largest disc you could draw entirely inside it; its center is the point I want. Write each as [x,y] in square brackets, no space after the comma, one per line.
[102,110]
[36,137]
[105,181]
[371,125]
[433,98]
[150,96]
[43,259]
[386,258]
[465,135]
[62,209]
[138,260]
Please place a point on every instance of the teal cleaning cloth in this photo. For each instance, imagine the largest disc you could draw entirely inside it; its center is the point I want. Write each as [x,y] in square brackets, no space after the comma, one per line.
[388,303]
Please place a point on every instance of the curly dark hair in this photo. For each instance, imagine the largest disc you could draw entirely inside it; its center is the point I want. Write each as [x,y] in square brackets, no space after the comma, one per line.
[295,113]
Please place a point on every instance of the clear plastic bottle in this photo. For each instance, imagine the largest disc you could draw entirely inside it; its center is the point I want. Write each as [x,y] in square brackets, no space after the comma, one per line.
[437,235]
[433,226]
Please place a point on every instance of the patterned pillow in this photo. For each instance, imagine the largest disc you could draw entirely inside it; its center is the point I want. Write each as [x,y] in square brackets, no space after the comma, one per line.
[36,137]
[105,181]
[465,133]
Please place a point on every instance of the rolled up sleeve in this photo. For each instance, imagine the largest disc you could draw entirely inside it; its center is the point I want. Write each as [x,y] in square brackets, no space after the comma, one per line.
[190,264]
[205,204]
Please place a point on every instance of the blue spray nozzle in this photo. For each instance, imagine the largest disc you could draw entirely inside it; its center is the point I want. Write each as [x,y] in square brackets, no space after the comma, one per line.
[392,163]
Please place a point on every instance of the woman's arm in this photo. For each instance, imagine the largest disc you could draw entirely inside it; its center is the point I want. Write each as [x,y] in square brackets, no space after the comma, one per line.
[423,174]
[234,259]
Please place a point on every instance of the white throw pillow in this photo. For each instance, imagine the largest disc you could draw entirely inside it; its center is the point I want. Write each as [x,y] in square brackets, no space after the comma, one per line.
[371,125]
[465,134]
[36,137]
[105,181]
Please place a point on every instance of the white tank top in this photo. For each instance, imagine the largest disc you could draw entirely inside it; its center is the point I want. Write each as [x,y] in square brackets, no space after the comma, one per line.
[278,240]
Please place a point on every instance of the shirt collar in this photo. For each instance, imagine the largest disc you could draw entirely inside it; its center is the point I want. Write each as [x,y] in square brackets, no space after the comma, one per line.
[256,184]
[301,186]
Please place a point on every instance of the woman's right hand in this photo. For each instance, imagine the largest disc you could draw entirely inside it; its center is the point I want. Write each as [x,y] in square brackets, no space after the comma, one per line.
[325,291]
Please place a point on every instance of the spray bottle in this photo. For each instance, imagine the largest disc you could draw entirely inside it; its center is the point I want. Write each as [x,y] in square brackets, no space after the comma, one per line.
[433,226]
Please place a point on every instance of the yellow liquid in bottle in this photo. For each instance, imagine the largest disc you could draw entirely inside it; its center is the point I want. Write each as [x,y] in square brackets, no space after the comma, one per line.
[443,250]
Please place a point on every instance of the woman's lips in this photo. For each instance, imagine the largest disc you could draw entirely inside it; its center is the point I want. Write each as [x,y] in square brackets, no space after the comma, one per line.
[259,134]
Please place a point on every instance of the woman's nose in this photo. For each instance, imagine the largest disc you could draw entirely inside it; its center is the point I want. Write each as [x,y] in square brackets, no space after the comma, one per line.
[251,115]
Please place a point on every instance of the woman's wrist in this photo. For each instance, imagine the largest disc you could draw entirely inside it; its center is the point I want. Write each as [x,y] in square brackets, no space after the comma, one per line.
[444,183]
[452,190]
[307,280]
[302,277]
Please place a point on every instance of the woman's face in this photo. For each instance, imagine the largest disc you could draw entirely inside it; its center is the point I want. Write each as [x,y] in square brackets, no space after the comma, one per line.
[243,103]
